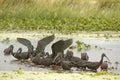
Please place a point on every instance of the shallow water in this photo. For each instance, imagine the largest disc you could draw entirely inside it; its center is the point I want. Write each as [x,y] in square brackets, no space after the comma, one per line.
[110,47]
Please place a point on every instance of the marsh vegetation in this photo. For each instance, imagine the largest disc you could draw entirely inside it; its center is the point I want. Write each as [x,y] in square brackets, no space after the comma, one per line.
[61,15]
[12,75]
[64,16]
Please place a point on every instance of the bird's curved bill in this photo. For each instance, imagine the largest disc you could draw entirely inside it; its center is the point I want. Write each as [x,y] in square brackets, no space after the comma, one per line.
[107,58]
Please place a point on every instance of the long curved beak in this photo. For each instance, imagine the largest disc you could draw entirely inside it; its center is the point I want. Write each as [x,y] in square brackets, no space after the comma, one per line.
[107,58]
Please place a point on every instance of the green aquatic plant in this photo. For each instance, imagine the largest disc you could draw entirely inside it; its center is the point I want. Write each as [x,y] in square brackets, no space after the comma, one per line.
[81,46]
[5,75]
[79,43]
[6,40]
[116,64]
[96,46]
[101,73]
[106,36]
[35,73]
[87,46]
[72,47]
[19,72]
[61,15]
[56,24]
[114,74]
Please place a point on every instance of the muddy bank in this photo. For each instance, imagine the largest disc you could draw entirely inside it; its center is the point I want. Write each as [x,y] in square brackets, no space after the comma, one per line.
[28,75]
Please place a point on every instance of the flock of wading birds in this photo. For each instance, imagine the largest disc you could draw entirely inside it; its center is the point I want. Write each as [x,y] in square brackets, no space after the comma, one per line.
[57,57]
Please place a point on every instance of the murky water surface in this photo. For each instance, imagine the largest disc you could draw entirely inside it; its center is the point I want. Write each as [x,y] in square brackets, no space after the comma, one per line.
[110,47]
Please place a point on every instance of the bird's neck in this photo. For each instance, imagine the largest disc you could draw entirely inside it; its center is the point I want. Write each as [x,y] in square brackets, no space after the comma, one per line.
[30,51]
[62,59]
[101,61]
[19,51]
[12,52]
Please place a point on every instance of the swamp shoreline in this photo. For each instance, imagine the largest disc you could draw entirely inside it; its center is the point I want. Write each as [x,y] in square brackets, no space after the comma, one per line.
[33,75]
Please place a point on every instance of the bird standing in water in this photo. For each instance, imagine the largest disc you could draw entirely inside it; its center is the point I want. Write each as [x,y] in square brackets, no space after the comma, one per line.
[26,55]
[95,65]
[69,57]
[8,50]
[104,66]
[42,43]
[18,54]
[21,55]
[66,65]
[57,47]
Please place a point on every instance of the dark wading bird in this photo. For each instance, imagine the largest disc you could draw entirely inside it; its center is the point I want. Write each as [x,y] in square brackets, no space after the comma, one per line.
[104,66]
[84,56]
[21,55]
[95,65]
[47,59]
[26,55]
[8,50]
[40,45]
[66,65]
[18,54]
[58,46]
[69,57]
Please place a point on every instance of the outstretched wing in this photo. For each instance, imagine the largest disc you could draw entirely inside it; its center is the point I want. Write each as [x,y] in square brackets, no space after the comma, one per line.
[25,42]
[43,43]
[57,47]
[60,46]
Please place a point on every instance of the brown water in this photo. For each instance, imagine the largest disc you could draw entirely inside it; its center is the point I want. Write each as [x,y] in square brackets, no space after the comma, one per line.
[110,47]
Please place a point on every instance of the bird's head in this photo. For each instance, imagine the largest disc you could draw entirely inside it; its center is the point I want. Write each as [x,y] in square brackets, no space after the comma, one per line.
[104,55]
[69,54]
[8,50]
